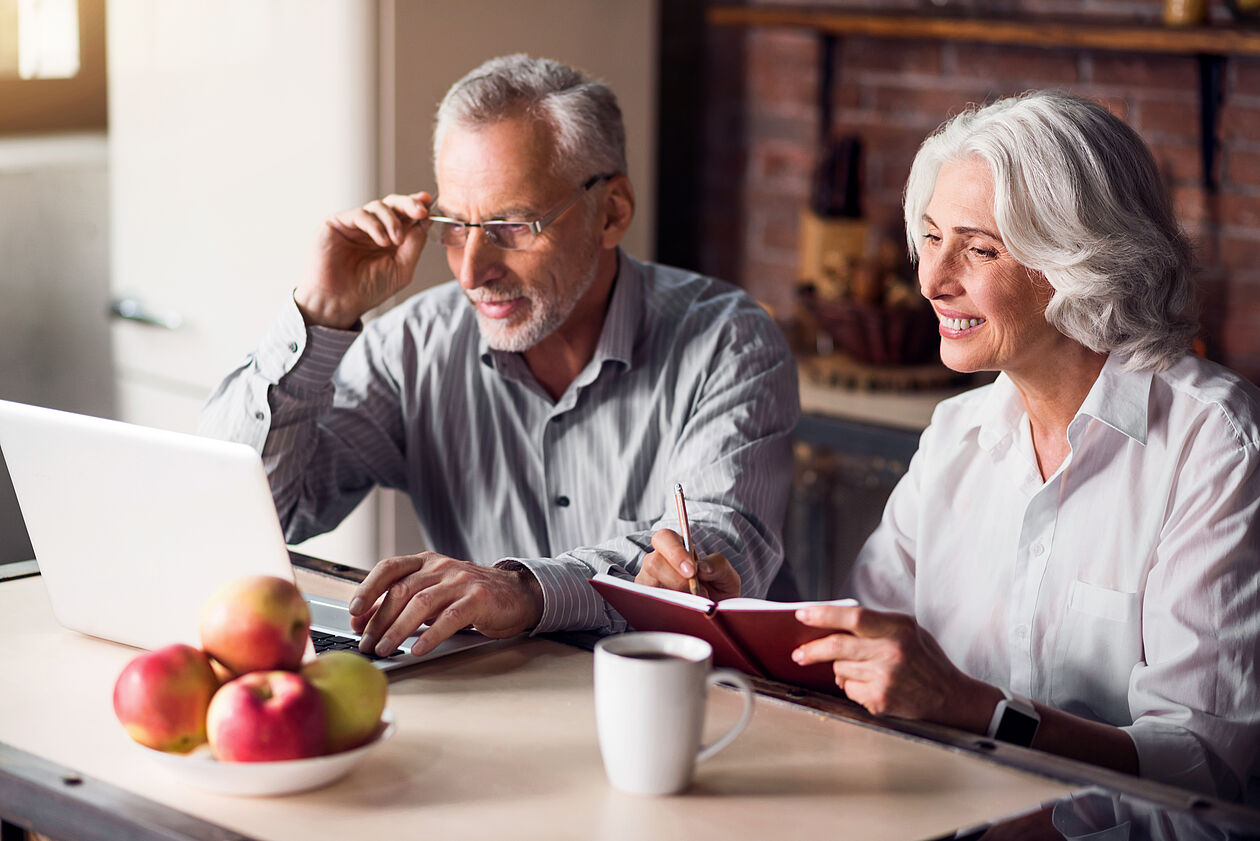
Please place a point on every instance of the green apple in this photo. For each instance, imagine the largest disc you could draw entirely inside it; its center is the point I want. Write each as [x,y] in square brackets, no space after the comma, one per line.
[354,694]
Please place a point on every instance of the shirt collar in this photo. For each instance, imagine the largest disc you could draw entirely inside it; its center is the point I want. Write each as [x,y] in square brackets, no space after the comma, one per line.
[625,312]
[616,339]
[1118,398]
[997,416]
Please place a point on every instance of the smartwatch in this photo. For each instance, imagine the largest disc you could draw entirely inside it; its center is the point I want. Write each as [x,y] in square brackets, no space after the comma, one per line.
[1015,720]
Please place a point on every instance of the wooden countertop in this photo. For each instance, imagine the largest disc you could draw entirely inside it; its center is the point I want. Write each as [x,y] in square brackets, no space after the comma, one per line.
[500,742]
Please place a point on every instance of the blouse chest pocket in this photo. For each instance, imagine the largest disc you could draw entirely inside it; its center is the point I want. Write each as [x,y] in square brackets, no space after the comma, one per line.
[1102,603]
[1100,641]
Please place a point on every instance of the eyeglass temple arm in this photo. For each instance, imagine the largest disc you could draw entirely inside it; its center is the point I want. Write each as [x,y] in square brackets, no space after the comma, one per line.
[538,224]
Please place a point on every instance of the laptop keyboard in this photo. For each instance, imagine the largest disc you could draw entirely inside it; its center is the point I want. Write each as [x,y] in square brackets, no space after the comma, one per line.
[334,642]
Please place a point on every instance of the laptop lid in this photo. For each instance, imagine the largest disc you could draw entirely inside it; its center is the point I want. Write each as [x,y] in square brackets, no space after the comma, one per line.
[135,527]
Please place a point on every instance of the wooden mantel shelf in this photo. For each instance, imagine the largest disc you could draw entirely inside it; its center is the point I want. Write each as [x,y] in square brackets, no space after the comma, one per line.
[1151,38]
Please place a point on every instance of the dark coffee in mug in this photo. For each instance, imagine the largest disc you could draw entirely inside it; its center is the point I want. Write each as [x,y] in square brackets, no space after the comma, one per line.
[651,655]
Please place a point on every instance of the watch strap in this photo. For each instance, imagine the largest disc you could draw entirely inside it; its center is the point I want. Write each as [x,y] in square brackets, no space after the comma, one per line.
[1022,711]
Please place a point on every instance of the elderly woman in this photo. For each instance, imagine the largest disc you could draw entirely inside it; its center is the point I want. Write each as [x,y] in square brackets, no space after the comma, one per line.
[1084,532]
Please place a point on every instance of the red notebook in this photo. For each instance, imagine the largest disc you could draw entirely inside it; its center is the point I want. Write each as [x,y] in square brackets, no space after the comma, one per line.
[752,635]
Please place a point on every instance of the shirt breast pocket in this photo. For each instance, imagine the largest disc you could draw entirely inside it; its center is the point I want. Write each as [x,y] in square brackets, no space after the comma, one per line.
[1100,641]
[628,525]
[637,530]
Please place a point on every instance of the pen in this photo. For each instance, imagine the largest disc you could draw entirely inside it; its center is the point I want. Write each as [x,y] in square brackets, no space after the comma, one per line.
[685,527]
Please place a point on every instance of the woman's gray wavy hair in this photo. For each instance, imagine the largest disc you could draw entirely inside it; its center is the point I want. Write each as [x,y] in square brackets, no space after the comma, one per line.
[590,138]
[1077,197]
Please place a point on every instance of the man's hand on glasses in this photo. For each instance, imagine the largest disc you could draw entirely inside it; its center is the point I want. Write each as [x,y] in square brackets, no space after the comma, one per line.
[362,257]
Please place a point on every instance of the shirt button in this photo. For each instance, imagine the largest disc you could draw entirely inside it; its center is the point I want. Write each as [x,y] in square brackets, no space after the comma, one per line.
[1021,632]
[562,501]
[259,416]
[1038,548]
[293,347]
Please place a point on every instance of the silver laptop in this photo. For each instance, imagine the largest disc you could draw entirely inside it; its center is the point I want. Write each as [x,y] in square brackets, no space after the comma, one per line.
[133,528]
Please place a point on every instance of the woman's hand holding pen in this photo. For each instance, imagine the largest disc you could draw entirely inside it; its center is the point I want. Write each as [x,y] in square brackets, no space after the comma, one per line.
[670,565]
[362,257]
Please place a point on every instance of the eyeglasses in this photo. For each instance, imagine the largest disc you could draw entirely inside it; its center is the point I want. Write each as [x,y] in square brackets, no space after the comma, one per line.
[504,234]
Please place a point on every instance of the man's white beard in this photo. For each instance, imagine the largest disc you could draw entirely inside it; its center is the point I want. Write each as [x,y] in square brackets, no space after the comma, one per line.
[546,314]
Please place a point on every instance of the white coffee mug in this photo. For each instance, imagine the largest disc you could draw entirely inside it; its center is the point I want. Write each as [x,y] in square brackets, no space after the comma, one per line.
[651,690]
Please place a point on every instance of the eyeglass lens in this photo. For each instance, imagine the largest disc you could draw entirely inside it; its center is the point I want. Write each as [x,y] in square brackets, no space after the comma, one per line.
[511,236]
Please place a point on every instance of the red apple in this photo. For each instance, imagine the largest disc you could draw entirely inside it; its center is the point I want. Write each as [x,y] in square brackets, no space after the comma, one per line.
[354,693]
[257,623]
[264,717]
[161,697]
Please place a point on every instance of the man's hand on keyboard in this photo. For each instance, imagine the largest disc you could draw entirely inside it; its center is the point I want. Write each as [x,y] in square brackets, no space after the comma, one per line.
[447,595]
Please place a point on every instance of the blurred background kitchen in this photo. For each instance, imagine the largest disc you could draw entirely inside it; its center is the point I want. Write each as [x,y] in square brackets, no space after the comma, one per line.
[164,165]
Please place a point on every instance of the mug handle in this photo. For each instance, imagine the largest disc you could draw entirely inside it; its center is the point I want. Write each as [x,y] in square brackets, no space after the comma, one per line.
[735,679]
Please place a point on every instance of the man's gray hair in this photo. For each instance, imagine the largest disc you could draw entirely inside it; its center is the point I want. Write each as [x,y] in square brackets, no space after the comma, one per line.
[582,112]
[1077,197]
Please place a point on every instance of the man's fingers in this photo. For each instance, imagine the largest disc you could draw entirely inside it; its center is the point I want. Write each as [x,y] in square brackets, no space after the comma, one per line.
[388,219]
[717,568]
[359,622]
[414,215]
[411,599]
[718,578]
[669,545]
[456,616]
[379,579]
[411,208]
[420,609]
[367,616]
[657,571]
[647,571]
[359,225]
[442,592]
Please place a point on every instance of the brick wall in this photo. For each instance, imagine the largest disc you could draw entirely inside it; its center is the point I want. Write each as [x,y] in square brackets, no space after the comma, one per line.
[761,140]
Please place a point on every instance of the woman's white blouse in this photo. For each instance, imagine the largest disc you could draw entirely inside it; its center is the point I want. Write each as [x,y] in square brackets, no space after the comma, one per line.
[1125,588]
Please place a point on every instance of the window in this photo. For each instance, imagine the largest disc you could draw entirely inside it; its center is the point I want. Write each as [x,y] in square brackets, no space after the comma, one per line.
[52,65]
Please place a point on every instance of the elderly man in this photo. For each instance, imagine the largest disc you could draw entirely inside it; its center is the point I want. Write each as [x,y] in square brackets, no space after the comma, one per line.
[539,408]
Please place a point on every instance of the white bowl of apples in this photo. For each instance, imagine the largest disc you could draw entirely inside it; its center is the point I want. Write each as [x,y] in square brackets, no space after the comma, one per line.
[202,770]
[243,714]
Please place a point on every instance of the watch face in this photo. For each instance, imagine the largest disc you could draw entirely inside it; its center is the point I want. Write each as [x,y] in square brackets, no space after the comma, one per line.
[1016,728]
